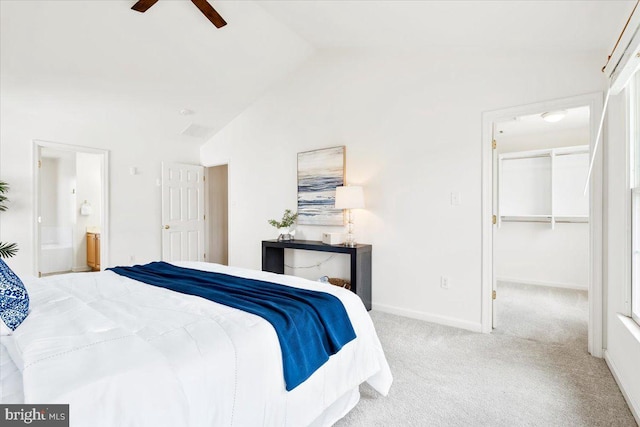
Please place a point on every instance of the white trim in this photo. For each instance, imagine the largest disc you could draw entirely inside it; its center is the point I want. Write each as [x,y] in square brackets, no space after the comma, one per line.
[634,407]
[104,226]
[428,317]
[216,163]
[596,221]
[594,101]
[576,286]
[486,212]
[628,200]
[631,325]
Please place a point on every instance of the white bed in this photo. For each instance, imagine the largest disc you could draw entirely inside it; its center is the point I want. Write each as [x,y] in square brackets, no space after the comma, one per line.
[121,352]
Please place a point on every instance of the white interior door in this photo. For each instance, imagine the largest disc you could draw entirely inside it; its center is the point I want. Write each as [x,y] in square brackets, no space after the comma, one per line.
[182,212]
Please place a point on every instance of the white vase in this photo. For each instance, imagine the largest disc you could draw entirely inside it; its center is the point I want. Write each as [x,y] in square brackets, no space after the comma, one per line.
[286,234]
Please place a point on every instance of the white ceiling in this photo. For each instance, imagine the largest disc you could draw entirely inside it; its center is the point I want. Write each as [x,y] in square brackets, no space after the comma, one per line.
[576,118]
[546,26]
[101,56]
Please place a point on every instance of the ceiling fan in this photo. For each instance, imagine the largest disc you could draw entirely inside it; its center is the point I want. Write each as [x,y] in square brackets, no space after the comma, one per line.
[203,5]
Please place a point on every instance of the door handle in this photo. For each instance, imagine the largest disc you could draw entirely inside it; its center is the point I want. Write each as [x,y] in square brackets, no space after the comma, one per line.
[166,227]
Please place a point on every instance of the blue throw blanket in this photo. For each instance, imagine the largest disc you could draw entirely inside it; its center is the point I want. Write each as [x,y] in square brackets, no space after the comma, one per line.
[311,326]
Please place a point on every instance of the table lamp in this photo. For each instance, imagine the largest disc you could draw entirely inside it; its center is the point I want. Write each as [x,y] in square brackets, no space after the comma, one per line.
[349,197]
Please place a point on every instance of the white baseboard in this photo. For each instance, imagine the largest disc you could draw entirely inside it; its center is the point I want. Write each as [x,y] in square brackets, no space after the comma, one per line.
[428,317]
[542,283]
[81,269]
[633,406]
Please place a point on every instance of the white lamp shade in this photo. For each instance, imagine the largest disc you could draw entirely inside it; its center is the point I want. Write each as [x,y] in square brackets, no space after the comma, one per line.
[350,197]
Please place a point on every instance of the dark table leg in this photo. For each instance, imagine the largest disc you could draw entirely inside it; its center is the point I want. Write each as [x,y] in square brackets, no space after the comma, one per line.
[361,276]
[273,259]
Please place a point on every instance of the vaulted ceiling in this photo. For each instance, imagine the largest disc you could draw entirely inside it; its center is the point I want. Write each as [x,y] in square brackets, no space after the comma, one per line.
[542,25]
[152,65]
[171,57]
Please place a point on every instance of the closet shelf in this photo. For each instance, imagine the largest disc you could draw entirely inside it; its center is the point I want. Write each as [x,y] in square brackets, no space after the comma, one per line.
[525,218]
[544,218]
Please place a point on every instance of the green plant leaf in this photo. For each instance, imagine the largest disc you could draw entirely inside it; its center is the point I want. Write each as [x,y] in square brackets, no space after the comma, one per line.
[7,250]
[287,220]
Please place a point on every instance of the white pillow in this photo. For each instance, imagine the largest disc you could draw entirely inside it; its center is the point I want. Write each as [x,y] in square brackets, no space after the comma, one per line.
[4,329]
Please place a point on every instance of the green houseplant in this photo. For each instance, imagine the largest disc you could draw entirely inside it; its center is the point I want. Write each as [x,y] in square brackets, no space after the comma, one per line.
[285,226]
[7,250]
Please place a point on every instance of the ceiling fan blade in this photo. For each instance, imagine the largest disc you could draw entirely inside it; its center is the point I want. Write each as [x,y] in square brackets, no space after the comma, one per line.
[209,12]
[143,5]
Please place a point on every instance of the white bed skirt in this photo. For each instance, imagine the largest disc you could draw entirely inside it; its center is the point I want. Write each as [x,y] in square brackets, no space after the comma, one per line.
[338,409]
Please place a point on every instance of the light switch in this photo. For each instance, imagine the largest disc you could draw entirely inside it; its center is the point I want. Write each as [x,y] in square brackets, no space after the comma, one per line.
[456,199]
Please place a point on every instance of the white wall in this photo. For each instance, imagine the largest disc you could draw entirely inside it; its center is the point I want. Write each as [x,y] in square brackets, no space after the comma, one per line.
[622,335]
[544,140]
[67,181]
[89,189]
[57,196]
[49,192]
[521,249]
[135,199]
[412,126]
[533,253]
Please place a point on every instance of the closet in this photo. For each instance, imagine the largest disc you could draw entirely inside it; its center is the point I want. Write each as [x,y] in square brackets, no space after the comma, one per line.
[543,186]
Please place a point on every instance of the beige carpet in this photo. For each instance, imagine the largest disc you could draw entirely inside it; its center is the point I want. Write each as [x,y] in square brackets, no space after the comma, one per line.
[518,376]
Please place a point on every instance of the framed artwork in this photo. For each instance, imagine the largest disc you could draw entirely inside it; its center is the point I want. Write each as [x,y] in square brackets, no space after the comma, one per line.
[319,173]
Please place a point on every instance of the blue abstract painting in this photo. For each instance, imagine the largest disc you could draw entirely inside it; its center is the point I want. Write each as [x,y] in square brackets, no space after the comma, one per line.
[319,173]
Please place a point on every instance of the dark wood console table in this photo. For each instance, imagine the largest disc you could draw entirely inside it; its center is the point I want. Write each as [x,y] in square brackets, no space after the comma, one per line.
[273,261]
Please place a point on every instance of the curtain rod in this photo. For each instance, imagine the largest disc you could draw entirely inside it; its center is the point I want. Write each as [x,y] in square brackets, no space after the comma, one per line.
[620,36]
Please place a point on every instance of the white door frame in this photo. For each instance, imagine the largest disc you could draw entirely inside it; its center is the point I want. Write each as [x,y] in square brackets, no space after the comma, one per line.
[594,102]
[104,226]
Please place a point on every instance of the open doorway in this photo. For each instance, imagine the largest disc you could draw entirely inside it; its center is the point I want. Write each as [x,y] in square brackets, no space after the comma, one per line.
[541,239]
[538,174]
[217,222]
[71,201]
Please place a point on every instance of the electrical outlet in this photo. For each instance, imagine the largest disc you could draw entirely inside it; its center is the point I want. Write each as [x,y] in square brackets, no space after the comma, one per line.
[132,259]
[444,282]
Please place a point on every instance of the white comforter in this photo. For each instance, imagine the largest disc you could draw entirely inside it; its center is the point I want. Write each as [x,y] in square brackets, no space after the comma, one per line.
[123,353]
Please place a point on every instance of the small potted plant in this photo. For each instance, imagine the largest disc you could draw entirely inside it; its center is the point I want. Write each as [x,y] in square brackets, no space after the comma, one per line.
[285,226]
